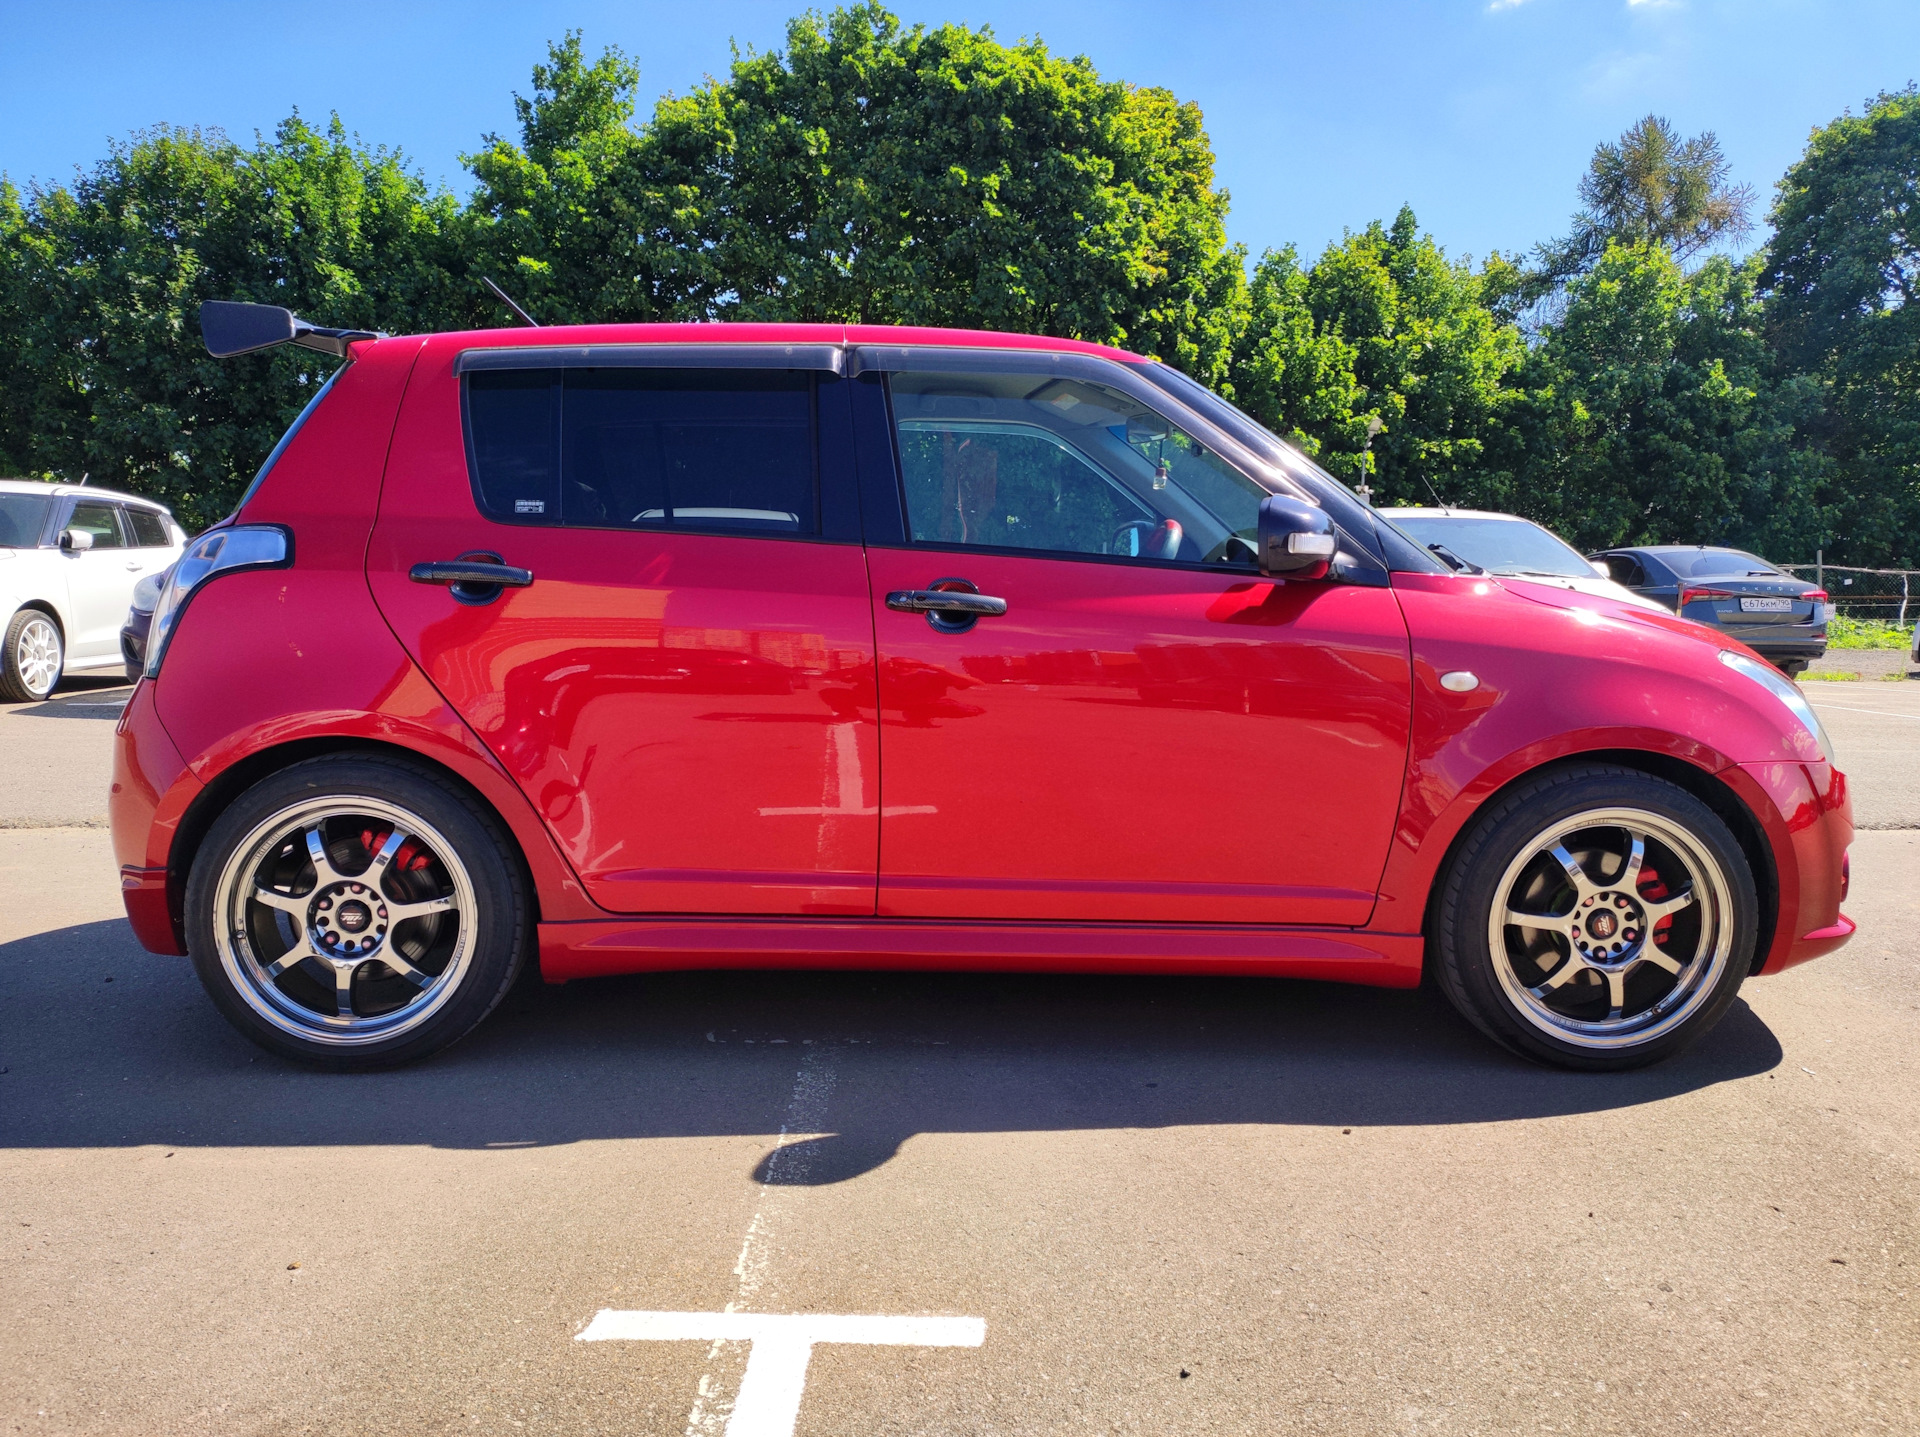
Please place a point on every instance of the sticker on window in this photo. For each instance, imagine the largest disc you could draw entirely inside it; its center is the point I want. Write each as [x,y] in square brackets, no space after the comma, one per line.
[529,506]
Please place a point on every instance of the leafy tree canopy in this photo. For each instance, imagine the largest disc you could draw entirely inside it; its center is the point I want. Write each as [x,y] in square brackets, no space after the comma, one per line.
[1844,270]
[105,280]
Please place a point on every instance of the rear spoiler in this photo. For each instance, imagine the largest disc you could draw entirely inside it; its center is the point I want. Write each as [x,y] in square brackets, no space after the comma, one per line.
[230,328]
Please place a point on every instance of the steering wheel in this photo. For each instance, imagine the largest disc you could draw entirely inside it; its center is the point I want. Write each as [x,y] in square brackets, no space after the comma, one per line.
[1157,539]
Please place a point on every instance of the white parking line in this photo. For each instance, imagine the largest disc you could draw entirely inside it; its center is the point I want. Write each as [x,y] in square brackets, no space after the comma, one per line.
[1883,713]
[806,1116]
[782,1346]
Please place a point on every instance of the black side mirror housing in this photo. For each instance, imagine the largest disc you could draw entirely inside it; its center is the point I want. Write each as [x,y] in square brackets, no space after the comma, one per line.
[1296,539]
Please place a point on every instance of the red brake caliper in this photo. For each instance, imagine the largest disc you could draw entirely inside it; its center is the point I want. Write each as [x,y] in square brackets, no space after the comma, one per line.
[1653,888]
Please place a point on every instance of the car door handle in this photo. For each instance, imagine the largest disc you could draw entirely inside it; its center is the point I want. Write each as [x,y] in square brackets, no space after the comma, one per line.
[957,602]
[476,572]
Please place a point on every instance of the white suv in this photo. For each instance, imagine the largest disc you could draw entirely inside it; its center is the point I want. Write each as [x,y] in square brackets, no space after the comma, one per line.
[69,558]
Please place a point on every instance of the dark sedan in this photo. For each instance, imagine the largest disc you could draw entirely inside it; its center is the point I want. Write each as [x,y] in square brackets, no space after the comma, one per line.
[1779,617]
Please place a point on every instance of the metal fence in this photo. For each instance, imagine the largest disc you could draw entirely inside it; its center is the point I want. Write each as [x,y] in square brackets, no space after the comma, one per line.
[1866,593]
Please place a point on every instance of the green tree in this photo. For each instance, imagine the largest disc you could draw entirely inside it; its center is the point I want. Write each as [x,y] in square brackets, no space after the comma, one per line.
[1843,270]
[1653,414]
[1652,187]
[572,220]
[882,174]
[117,385]
[1383,326]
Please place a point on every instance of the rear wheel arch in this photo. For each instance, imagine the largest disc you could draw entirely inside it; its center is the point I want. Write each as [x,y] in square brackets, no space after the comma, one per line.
[237,778]
[1708,788]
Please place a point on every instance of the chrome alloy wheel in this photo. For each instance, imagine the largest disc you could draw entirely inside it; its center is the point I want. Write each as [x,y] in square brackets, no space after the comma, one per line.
[1611,928]
[36,655]
[344,921]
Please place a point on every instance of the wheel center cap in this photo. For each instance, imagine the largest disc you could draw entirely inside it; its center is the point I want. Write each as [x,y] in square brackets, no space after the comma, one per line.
[348,919]
[1608,926]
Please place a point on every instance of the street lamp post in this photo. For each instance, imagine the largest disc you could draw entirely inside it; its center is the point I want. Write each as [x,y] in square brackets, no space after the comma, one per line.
[1365,489]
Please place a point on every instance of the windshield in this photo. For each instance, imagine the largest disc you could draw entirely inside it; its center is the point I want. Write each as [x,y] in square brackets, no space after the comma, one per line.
[1500,546]
[1714,563]
[22,519]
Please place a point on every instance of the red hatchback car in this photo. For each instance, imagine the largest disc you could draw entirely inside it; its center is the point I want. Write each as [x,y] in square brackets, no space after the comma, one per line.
[622,648]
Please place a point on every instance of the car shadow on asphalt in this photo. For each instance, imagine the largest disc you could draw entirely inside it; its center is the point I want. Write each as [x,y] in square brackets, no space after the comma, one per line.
[104,1045]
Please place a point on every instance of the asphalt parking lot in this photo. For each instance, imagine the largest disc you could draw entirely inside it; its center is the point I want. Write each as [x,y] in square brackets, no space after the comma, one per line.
[1176,1205]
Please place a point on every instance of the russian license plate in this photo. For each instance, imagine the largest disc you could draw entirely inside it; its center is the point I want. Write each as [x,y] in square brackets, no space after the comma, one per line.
[1828,612]
[1766,606]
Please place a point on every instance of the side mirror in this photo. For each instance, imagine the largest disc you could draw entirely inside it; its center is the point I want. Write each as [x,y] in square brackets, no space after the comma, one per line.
[1601,569]
[75,541]
[1296,539]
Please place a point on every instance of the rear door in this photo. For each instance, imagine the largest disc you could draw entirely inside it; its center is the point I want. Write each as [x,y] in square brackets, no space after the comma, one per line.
[686,689]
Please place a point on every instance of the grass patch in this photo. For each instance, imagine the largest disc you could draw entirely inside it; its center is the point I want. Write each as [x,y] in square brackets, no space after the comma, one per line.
[1893,678]
[1829,676]
[1845,633]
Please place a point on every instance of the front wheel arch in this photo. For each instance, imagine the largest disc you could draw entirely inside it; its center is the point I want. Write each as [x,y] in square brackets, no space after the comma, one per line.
[1706,787]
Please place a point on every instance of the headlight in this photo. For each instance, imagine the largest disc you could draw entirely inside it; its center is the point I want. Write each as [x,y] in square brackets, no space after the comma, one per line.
[1782,688]
[224,551]
[146,593]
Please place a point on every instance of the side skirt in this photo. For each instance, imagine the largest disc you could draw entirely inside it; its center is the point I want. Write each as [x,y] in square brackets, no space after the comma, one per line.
[602,948]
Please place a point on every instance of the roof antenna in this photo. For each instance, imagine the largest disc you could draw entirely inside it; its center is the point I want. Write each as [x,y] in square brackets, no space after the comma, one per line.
[1436,494]
[507,299]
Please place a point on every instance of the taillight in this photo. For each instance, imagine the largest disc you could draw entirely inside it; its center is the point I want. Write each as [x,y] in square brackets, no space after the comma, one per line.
[226,550]
[1687,596]
[1846,874]
[1819,596]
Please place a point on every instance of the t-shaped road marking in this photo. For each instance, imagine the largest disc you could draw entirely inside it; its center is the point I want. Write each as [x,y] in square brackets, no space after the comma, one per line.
[776,1376]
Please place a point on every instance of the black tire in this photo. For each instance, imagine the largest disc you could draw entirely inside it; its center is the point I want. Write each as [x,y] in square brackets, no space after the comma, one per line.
[455,859]
[1541,998]
[1793,668]
[17,685]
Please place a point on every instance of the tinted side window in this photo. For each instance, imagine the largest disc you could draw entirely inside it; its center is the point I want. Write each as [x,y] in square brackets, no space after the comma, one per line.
[1018,460]
[149,529]
[100,520]
[698,449]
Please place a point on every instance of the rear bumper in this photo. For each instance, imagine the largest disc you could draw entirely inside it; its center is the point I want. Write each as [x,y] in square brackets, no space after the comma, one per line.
[150,793]
[1807,815]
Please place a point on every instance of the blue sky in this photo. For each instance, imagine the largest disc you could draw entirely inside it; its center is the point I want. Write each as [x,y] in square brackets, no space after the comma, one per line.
[1325,115]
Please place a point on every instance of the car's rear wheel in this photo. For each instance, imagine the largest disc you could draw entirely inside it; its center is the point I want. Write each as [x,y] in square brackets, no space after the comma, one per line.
[356,912]
[1596,918]
[31,665]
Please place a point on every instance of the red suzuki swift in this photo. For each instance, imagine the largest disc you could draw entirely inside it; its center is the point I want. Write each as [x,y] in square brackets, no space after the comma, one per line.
[628,647]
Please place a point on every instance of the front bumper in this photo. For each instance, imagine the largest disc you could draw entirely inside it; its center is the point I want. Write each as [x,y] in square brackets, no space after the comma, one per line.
[1807,815]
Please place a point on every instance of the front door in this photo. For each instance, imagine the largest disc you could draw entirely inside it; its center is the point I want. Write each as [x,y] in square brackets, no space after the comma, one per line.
[100,580]
[685,691]
[1150,732]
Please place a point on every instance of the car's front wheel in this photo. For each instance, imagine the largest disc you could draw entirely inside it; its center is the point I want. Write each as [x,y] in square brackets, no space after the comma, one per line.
[1596,917]
[355,911]
[34,656]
